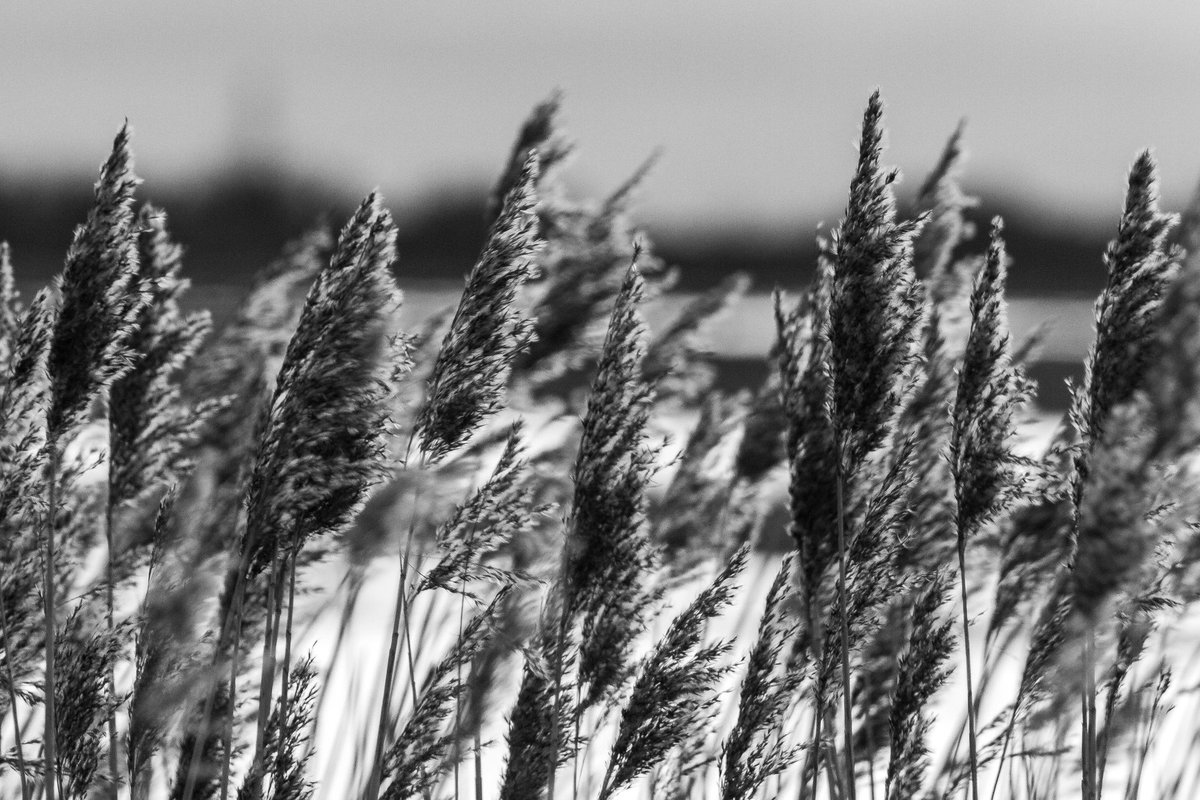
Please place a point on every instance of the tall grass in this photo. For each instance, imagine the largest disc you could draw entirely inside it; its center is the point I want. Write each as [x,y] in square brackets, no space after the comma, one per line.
[576,612]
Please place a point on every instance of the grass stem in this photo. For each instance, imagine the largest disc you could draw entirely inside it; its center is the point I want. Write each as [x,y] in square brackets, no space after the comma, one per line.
[843,618]
[1088,776]
[972,747]
[50,734]
[12,700]
[114,744]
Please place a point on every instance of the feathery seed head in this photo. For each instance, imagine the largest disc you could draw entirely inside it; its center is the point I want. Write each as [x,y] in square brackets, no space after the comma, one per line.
[674,687]
[875,305]
[150,425]
[487,332]
[990,390]
[922,671]
[752,752]
[608,551]
[802,353]
[942,197]
[496,513]
[1173,383]
[324,439]
[419,756]
[99,298]
[1139,270]
[539,134]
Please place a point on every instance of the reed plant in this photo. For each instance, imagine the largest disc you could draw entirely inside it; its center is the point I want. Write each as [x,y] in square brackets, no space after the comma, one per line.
[578,613]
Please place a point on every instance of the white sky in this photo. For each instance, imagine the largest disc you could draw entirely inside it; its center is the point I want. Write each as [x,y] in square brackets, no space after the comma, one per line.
[756,103]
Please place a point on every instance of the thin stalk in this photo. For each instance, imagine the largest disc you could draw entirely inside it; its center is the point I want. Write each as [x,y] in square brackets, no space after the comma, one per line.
[575,744]
[231,627]
[353,586]
[1103,738]
[991,655]
[871,763]
[556,706]
[462,605]
[12,699]
[401,613]
[1088,778]
[462,614]
[972,747]
[604,790]
[388,676]
[235,657]
[1155,709]
[847,720]
[114,743]
[287,663]
[1008,731]
[813,756]
[50,734]
[266,683]
[405,608]
[833,776]
[478,765]
[189,786]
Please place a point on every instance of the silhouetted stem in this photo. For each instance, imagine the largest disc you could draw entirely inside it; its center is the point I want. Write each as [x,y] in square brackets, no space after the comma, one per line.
[50,734]
[972,748]
[847,719]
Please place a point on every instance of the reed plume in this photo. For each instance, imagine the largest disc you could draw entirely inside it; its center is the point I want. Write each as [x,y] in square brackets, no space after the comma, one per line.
[753,751]
[151,427]
[487,332]
[921,672]
[98,304]
[875,308]
[674,686]
[607,553]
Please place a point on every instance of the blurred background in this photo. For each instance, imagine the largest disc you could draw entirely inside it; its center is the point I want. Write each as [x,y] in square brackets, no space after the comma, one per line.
[252,120]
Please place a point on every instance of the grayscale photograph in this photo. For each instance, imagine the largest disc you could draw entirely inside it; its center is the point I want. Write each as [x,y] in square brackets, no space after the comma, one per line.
[532,400]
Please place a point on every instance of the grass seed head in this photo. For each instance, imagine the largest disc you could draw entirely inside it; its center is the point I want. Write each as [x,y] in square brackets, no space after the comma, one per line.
[488,332]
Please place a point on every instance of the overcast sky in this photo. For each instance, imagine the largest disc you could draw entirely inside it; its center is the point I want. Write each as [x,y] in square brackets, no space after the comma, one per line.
[755,103]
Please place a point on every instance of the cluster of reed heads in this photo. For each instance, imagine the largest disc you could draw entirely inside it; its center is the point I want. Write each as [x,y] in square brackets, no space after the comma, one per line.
[154,592]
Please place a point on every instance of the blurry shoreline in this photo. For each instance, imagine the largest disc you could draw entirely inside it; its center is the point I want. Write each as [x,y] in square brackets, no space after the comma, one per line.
[233,225]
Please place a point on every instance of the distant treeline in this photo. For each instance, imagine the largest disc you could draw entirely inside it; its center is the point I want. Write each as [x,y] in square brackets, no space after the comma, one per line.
[239,221]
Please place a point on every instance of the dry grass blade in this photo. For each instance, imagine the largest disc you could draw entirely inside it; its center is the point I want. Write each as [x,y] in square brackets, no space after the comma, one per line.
[311,474]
